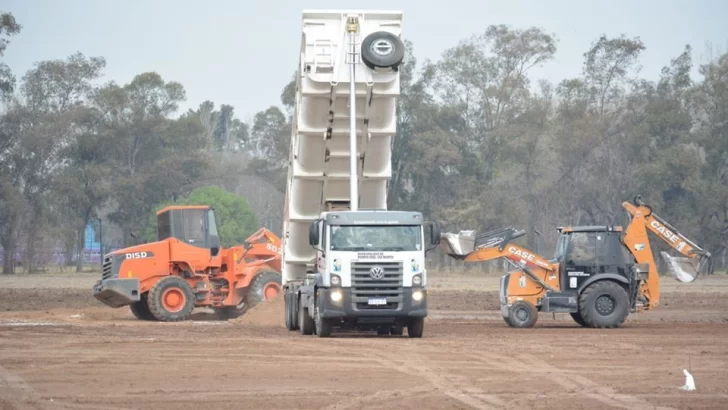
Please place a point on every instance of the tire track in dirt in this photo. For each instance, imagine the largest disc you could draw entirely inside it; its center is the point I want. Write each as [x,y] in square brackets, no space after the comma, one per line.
[573,383]
[456,387]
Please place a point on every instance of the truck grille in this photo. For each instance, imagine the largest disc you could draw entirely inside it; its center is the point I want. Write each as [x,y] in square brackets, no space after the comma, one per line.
[106,268]
[364,286]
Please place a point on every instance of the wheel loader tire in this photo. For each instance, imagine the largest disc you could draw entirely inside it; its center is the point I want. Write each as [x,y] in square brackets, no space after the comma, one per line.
[523,314]
[306,323]
[382,49]
[171,299]
[265,286]
[416,327]
[578,319]
[604,304]
[230,312]
[322,325]
[140,309]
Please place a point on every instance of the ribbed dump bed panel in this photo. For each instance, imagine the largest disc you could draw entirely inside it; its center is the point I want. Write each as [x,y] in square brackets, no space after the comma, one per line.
[318,173]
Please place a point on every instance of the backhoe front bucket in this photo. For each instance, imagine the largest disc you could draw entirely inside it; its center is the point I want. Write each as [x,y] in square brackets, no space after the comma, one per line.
[682,269]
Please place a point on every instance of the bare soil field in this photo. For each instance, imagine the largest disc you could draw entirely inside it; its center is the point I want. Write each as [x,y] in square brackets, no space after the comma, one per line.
[61,349]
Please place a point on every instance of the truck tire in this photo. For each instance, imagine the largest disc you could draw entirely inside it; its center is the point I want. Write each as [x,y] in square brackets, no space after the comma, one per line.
[604,304]
[396,330]
[522,315]
[382,49]
[288,311]
[578,319]
[265,286]
[416,327]
[140,309]
[171,299]
[323,325]
[306,324]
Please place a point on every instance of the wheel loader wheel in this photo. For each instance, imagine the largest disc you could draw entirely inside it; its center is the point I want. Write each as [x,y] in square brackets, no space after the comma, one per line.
[231,312]
[265,286]
[140,309]
[604,304]
[171,299]
[578,319]
[522,314]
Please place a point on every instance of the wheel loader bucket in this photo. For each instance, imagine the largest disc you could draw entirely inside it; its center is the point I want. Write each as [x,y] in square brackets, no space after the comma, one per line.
[682,269]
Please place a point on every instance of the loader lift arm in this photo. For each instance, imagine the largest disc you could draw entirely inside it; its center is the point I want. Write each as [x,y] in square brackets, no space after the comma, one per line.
[642,220]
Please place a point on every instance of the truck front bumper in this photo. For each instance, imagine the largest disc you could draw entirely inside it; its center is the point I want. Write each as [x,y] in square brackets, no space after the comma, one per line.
[348,307]
[117,292]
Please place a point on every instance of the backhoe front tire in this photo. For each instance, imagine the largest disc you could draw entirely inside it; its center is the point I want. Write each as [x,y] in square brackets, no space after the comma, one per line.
[140,309]
[522,315]
[604,304]
[171,299]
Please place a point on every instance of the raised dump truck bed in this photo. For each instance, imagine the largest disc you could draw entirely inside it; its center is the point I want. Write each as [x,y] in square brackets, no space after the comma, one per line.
[319,167]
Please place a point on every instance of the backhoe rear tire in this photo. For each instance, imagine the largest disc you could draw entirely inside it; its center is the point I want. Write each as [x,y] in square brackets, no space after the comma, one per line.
[140,309]
[578,319]
[604,304]
[522,315]
[171,299]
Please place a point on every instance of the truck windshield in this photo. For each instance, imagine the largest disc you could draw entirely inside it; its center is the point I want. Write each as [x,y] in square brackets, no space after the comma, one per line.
[376,238]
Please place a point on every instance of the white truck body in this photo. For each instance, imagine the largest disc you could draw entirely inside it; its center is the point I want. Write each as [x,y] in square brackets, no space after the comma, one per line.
[325,182]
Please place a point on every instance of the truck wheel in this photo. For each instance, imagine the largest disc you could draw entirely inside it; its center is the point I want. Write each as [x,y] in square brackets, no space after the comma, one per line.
[265,286]
[578,319]
[323,325]
[604,304]
[171,299]
[140,309]
[289,311]
[523,314]
[416,327]
[396,330]
[382,49]
[306,324]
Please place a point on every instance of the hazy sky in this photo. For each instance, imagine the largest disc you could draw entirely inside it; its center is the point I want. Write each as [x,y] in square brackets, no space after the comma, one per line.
[244,52]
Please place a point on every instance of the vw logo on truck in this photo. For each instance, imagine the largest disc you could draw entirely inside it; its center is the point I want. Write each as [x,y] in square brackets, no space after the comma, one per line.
[377,272]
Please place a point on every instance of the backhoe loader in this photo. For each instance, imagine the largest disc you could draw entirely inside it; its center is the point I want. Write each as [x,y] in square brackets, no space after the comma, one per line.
[599,274]
[187,267]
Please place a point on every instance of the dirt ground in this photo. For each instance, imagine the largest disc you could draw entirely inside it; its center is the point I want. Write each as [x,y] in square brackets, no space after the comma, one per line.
[60,349]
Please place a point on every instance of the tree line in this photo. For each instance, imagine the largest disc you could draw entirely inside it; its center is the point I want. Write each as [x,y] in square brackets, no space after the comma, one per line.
[480,144]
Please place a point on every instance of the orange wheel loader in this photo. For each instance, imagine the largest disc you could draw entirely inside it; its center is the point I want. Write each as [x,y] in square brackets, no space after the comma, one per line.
[186,268]
[599,274]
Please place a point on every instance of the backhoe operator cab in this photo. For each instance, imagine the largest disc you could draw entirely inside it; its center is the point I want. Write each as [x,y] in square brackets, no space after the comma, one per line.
[193,225]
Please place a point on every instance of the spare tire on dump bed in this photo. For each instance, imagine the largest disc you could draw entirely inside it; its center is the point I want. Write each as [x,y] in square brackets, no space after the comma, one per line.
[382,49]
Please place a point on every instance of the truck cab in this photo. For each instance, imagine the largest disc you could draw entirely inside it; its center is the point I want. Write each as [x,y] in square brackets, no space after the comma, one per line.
[369,272]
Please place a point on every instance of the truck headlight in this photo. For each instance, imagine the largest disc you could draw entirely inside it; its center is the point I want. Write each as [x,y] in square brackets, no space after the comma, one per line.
[336,296]
[417,295]
[335,280]
[417,280]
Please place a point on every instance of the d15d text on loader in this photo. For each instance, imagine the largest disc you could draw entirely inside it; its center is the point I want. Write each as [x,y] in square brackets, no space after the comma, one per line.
[599,274]
[186,268]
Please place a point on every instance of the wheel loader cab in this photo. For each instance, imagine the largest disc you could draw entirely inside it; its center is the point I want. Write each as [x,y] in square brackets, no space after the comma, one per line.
[585,252]
[194,225]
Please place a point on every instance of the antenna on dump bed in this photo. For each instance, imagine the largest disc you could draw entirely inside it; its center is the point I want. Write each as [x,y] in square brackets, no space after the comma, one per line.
[352,27]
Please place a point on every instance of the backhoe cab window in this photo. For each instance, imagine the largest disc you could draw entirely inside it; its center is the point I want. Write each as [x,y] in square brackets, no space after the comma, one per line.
[582,249]
[376,238]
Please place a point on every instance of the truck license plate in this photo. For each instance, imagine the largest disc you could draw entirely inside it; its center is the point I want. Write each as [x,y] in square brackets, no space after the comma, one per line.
[377,301]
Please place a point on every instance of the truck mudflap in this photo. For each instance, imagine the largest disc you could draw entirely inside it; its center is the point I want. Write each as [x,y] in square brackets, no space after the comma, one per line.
[347,307]
[117,292]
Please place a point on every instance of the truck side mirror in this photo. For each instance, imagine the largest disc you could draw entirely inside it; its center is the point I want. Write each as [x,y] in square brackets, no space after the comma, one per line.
[435,234]
[313,234]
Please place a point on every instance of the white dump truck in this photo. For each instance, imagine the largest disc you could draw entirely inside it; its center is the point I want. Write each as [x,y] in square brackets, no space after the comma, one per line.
[348,262]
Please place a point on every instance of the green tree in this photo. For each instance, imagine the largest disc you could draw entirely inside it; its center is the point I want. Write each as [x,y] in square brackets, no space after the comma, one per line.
[8,27]
[236,220]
